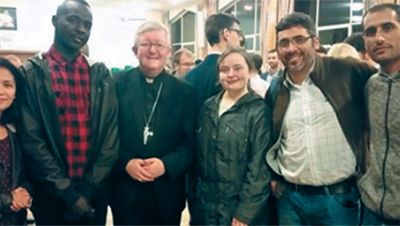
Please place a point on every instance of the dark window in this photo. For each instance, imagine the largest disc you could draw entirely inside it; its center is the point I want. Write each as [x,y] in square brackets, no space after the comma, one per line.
[246,15]
[250,43]
[188,27]
[175,47]
[189,47]
[306,6]
[333,36]
[334,12]
[176,31]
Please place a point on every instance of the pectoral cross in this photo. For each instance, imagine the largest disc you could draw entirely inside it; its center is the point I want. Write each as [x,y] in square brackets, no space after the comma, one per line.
[146,134]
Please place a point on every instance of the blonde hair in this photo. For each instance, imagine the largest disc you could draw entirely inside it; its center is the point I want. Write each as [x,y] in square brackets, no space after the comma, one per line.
[342,50]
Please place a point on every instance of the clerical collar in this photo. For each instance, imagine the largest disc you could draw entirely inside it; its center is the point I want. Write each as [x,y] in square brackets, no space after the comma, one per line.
[153,80]
[149,80]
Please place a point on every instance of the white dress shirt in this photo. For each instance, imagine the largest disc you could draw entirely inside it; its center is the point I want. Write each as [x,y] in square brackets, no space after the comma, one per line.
[313,150]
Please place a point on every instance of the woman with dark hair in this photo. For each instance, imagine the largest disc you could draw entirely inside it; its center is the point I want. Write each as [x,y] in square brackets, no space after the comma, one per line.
[232,139]
[14,194]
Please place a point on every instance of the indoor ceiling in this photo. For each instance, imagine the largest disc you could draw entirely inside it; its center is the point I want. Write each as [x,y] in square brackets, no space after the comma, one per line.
[163,5]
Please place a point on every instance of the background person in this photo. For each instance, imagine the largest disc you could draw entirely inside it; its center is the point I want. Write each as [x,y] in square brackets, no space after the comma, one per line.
[357,41]
[257,84]
[222,31]
[343,50]
[183,60]
[274,67]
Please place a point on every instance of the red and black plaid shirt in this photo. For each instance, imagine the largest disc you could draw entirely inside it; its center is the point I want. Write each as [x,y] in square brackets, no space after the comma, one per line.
[70,83]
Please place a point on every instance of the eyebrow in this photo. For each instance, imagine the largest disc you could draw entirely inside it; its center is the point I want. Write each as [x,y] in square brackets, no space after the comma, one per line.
[380,25]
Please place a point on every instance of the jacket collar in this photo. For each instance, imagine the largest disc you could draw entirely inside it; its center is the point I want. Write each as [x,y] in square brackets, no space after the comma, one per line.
[248,97]
[394,76]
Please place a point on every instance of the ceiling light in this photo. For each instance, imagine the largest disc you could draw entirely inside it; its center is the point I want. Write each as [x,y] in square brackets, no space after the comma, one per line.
[248,7]
[358,6]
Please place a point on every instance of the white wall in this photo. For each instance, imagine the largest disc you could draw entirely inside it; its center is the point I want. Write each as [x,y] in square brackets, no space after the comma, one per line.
[112,35]
[223,3]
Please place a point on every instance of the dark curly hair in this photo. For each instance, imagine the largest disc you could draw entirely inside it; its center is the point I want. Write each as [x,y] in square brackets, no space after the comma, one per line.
[297,19]
[13,113]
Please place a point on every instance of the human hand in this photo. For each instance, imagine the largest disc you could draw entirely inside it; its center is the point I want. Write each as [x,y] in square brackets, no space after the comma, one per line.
[154,166]
[277,188]
[135,169]
[236,222]
[82,207]
[20,199]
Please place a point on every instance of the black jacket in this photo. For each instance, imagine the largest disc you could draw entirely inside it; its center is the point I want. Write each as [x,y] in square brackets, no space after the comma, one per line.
[204,78]
[231,160]
[172,142]
[42,140]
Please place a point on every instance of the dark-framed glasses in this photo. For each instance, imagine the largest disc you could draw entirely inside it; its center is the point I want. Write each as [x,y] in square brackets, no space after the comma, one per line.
[296,40]
[238,31]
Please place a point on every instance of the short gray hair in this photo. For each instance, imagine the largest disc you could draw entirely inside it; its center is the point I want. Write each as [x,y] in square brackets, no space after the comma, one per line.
[152,26]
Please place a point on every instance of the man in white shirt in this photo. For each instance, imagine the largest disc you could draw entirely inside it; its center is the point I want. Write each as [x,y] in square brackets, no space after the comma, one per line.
[318,129]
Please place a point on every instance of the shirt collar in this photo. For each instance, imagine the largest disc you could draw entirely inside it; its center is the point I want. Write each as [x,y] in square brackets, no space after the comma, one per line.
[288,82]
[56,55]
[215,52]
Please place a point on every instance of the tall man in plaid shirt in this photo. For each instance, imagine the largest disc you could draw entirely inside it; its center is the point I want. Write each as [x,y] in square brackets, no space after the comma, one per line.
[70,128]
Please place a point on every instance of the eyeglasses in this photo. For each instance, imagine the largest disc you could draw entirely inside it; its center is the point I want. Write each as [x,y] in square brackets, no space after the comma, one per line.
[297,40]
[148,45]
[238,31]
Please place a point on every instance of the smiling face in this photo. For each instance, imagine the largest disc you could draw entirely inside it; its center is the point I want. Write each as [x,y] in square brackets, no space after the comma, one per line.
[72,24]
[382,35]
[7,89]
[297,58]
[152,50]
[234,73]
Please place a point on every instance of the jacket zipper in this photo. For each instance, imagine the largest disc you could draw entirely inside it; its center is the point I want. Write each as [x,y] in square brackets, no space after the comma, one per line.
[387,147]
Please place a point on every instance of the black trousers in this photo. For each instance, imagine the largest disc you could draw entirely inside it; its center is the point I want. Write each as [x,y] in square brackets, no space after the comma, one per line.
[138,205]
[48,210]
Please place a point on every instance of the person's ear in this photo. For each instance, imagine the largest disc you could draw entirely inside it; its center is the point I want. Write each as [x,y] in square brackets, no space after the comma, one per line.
[134,50]
[316,42]
[224,34]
